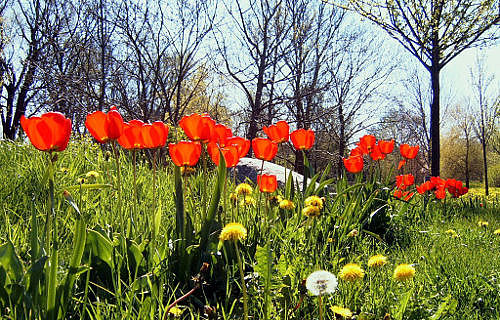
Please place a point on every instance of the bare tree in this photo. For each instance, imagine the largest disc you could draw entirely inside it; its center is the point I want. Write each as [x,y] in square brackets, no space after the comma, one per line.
[434,32]
[33,27]
[251,46]
[359,77]
[463,116]
[486,110]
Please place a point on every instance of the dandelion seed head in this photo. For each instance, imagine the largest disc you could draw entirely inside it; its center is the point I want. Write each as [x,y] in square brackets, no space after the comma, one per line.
[321,282]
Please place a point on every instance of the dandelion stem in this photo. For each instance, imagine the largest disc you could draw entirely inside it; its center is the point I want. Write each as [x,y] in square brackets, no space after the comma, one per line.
[243,285]
[320,300]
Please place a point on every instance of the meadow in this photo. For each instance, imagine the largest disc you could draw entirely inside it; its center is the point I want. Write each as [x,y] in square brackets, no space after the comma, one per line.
[85,236]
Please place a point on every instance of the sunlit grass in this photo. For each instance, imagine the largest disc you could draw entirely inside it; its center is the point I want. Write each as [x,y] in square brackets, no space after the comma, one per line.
[456,274]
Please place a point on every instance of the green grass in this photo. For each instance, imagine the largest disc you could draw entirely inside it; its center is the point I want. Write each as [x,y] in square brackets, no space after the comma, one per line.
[126,273]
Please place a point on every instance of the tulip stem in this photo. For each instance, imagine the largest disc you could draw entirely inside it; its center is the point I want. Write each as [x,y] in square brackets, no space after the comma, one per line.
[136,200]
[119,186]
[53,262]
[260,192]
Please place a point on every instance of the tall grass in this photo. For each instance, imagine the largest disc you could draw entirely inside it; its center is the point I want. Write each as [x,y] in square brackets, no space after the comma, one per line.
[136,276]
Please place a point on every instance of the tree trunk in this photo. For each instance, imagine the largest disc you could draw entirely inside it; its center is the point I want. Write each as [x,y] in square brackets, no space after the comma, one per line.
[299,162]
[435,141]
[467,174]
[485,163]
[342,142]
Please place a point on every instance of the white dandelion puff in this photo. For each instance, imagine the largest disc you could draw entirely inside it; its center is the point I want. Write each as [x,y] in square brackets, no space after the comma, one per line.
[321,282]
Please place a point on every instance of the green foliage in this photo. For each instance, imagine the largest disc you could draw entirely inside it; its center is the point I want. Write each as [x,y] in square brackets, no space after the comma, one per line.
[103,273]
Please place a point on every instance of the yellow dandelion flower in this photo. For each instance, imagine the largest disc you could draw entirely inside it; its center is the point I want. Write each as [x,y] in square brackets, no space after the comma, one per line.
[404,272]
[92,174]
[187,171]
[311,211]
[233,197]
[482,223]
[377,260]
[353,233]
[287,204]
[233,231]
[275,200]
[314,201]
[64,170]
[497,232]
[343,312]
[243,189]
[330,240]
[452,233]
[176,312]
[351,272]
[248,201]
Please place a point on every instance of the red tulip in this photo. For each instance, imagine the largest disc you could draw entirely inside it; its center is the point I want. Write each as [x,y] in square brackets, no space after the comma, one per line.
[407,195]
[408,152]
[242,144]
[198,127]
[131,137]
[267,183]
[440,193]
[105,126]
[277,133]
[401,164]
[403,181]
[438,182]
[49,132]
[155,135]
[230,154]
[376,154]
[185,153]
[356,152]
[302,139]
[264,149]
[455,188]
[424,187]
[366,143]
[354,164]
[220,134]
[386,147]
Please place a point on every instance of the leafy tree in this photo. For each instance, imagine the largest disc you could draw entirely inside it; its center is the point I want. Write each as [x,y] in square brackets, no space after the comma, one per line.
[458,160]
[435,32]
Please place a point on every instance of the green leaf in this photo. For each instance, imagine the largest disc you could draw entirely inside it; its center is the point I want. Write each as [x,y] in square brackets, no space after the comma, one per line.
[264,258]
[179,203]
[11,263]
[403,304]
[214,203]
[289,190]
[448,306]
[100,246]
